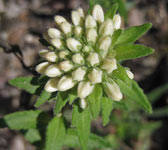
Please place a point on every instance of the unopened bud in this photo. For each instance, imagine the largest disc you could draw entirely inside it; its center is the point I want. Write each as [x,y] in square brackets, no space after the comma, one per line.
[130,74]
[106,28]
[78,31]
[104,45]
[84,89]
[86,49]
[59,19]
[95,76]
[78,59]
[65,65]
[54,33]
[57,42]
[91,35]
[76,18]
[113,91]
[51,57]
[93,59]
[41,68]
[43,52]
[109,65]
[78,74]
[66,27]
[98,13]
[65,83]
[53,71]
[81,12]
[90,22]
[73,44]
[117,21]
[82,103]
[51,85]
[63,54]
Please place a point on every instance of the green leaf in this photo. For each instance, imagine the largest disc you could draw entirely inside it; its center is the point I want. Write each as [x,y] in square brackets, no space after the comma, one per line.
[116,36]
[107,106]
[160,112]
[112,11]
[82,120]
[135,93]
[130,35]
[126,52]
[94,100]
[157,93]
[61,100]
[21,120]
[44,97]
[121,74]
[55,134]
[32,135]
[72,95]
[29,84]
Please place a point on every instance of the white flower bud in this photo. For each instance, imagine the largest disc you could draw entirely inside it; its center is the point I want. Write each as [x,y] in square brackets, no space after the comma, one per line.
[84,89]
[98,13]
[130,74]
[73,44]
[117,21]
[59,19]
[78,59]
[76,18]
[41,68]
[106,28]
[57,42]
[63,54]
[93,59]
[78,74]
[82,103]
[43,52]
[86,49]
[65,65]
[78,31]
[90,22]
[91,35]
[65,83]
[81,12]
[53,71]
[109,65]
[51,85]
[66,27]
[51,57]
[104,45]
[54,33]
[95,76]
[113,91]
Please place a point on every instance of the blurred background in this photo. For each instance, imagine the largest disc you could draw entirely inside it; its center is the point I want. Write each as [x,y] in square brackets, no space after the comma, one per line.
[22,23]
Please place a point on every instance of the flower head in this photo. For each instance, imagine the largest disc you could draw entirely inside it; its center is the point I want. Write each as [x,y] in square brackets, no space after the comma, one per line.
[79,54]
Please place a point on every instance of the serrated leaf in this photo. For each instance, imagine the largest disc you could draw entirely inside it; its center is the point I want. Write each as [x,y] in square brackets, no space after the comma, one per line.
[126,52]
[44,97]
[61,100]
[94,100]
[107,106]
[81,119]
[135,93]
[112,11]
[29,84]
[55,134]
[21,120]
[130,35]
[32,135]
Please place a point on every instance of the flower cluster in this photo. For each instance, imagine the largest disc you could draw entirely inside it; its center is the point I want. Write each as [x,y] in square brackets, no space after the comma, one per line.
[80,54]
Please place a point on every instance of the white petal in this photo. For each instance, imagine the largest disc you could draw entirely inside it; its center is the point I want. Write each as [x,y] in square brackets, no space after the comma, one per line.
[51,85]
